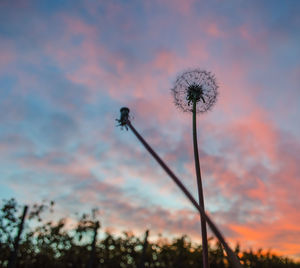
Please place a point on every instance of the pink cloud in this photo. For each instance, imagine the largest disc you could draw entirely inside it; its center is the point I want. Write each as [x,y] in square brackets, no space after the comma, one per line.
[165,61]
[214,30]
[276,236]
[256,40]
[181,7]
[76,26]
[80,166]
[7,54]
[256,134]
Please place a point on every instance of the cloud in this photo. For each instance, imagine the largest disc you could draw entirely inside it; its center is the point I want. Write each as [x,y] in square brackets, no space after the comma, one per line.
[58,129]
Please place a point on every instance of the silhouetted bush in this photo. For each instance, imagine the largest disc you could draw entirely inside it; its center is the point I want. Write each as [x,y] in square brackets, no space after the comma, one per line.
[51,244]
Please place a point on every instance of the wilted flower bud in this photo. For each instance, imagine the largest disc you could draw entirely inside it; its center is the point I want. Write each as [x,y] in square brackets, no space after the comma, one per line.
[124,117]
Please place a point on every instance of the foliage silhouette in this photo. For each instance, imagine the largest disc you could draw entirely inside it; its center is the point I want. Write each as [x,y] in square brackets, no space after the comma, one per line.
[54,244]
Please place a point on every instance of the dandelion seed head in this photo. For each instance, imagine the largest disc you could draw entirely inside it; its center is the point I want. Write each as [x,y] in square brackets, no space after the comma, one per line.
[195,85]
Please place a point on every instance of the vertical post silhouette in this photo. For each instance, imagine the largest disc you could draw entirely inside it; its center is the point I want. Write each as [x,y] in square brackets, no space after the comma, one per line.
[91,262]
[14,255]
[145,245]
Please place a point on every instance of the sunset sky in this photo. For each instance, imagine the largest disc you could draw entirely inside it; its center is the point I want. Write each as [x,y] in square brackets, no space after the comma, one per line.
[67,67]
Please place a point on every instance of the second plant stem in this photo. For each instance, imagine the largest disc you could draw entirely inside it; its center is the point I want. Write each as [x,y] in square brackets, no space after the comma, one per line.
[200,189]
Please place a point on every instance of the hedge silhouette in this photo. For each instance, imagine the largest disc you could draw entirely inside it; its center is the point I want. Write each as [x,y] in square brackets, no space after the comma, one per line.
[51,244]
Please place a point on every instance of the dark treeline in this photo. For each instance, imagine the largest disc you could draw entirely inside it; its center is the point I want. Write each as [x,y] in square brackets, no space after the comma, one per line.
[51,244]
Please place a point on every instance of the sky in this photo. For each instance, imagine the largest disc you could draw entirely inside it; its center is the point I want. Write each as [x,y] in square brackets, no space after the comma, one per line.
[66,69]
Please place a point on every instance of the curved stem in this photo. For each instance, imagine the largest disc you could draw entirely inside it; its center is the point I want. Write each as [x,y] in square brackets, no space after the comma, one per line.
[200,189]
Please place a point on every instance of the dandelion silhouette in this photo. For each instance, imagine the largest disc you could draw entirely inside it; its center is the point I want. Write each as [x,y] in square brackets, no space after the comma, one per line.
[124,121]
[196,91]
[124,118]
[196,85]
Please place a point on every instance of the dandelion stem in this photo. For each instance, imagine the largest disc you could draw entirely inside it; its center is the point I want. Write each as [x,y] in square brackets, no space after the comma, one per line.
[200,189]
[232,257]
